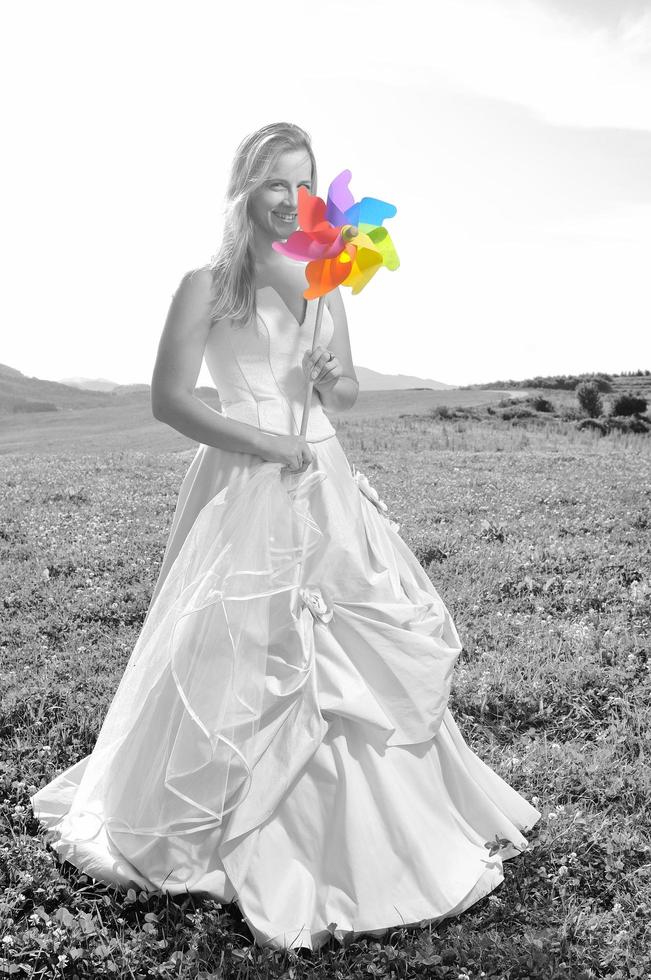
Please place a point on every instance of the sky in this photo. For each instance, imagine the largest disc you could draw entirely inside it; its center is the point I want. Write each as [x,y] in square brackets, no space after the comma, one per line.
[514,137]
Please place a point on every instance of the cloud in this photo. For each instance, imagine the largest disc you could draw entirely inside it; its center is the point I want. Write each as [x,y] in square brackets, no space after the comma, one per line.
[527,53]
[616,16]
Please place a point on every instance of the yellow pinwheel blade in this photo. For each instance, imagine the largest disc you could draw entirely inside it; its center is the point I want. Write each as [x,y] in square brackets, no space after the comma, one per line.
[364,266]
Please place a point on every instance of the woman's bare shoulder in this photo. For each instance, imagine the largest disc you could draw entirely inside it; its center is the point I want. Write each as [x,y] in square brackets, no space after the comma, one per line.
[190,312]
[197,283]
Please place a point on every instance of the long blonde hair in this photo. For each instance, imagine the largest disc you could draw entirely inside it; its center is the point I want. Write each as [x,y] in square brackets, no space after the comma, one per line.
[232,265]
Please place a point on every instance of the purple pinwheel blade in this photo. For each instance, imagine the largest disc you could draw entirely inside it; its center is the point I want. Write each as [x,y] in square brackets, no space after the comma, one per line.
[339,199]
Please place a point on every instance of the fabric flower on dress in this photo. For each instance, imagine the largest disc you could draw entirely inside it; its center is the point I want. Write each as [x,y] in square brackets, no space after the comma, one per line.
[313,599]
[371,494]
[369,491]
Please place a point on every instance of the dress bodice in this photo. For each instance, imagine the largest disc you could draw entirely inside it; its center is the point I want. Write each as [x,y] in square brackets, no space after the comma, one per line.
[257,367]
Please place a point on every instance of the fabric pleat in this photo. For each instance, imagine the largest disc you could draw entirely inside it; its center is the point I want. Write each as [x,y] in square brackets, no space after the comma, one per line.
[281,733]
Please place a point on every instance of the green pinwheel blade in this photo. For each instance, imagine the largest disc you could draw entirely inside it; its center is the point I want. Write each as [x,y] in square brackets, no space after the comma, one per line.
[382,241]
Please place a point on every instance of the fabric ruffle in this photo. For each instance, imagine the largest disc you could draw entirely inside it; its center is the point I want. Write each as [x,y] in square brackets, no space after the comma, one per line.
[292,621]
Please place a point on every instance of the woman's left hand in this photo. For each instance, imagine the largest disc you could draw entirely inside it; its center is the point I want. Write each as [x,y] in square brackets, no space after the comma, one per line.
[328,372]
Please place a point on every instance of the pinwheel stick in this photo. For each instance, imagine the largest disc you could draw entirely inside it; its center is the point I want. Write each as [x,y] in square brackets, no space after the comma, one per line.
[347,233]
[310,386]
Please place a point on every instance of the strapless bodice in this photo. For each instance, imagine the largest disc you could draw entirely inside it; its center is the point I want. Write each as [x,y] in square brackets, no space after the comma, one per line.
[257,367]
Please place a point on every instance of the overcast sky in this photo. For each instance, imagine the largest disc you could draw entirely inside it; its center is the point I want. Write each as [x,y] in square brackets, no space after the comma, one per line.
[514,137]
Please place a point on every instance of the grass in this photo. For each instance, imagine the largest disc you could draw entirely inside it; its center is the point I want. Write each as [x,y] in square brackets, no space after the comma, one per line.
[128,422]
[536,536]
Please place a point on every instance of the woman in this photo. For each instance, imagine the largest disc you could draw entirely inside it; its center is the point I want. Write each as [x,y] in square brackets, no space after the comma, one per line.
[281,735]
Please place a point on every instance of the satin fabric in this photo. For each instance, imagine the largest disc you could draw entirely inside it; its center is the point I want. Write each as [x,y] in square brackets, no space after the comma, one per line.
[257,368]
[281,734]
[366,809]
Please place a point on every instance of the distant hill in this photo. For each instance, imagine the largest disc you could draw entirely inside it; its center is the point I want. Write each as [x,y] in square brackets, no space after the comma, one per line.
[368,381]
[19,393]
[103,384]
[375,381]
[89,384]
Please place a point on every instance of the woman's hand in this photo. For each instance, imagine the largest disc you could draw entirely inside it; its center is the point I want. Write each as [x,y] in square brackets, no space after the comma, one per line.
[294,451]
[327,371]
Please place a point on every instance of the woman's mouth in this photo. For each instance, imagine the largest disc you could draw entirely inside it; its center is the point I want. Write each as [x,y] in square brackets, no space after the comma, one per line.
[288,219]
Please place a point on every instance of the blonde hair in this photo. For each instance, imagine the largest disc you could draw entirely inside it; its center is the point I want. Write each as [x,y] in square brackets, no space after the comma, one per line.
[232,266]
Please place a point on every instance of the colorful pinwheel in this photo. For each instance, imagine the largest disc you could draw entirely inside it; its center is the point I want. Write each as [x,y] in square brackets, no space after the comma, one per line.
[343,241]
[344,244]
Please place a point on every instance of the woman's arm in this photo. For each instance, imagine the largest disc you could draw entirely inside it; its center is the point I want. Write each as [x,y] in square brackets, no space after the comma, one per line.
[178,362]
[343,394]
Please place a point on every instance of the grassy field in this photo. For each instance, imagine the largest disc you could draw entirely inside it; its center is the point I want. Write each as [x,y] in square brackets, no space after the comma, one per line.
[537,537]
[130,425]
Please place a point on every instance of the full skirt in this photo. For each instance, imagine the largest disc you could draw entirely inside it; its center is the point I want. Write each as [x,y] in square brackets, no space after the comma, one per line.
[281,736]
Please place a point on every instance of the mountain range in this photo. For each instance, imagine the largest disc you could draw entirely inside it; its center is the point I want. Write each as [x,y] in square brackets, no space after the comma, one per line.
[20,393]
[368,381]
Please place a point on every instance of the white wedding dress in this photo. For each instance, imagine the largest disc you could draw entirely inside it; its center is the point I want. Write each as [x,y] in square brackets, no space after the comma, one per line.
[281,736]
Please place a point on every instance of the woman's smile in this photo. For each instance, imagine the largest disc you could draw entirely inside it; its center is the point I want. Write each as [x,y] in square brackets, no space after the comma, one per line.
[286,218]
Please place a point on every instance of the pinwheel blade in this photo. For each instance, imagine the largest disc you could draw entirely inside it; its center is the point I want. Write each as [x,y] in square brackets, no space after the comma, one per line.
[325,233]
[370,211]
[340,199]
[304,247]
[365,264]
[382,241]
[325,275]
[311,210]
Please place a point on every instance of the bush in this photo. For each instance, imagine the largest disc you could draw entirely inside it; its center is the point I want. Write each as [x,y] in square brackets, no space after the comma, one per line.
[27,406]
[540,404]
[602,381]
[593,424]
[509,414]
[589,399]
[632,423]
[442,412]
[629,404]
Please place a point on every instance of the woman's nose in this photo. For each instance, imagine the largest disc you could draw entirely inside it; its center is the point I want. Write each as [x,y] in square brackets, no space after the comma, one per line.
[291,197]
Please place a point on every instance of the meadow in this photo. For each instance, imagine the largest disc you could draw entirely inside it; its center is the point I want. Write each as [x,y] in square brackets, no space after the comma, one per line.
[536,535]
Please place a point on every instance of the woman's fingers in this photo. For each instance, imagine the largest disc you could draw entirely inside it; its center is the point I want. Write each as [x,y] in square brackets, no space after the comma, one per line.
[318,360]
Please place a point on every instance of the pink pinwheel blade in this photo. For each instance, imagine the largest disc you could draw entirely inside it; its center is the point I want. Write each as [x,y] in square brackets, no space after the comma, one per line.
[304,247]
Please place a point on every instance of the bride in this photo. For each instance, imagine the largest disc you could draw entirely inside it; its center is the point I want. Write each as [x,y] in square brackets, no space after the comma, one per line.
[281,736]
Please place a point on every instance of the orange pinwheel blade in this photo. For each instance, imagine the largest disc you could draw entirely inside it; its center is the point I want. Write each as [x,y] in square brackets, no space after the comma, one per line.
[326,274]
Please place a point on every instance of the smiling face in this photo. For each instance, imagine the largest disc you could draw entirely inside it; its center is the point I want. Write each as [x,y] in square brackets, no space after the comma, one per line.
[273,206]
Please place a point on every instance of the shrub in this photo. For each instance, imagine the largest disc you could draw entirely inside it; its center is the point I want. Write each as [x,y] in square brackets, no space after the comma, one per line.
[441,412]
[593,424]
[520,412]
[30,406]
[602,381]
[589,399]
[540,404]
[632,423]
[629,404]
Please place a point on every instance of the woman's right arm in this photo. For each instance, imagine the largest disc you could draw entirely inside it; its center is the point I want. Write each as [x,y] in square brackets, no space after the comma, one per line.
[178,362]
